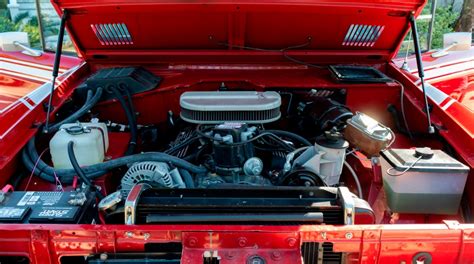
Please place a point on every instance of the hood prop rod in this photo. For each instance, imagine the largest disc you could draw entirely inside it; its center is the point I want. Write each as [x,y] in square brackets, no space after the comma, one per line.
[57,61]
[421,73]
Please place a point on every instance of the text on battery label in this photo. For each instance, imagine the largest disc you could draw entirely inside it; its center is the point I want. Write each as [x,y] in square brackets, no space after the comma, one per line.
[25,198]
[10,212]
[54,213]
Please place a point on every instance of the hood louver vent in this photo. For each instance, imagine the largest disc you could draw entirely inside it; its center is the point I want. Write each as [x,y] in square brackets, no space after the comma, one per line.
[112,34]
[362,35]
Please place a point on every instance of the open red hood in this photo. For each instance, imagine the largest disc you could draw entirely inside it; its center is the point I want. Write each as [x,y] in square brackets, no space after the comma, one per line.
[370,28]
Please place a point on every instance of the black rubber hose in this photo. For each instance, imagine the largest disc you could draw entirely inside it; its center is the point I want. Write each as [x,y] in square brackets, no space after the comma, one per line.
[187,178]
[72,158]
[91,101]
[46,172]
[43,170]
[290,135]
[79,171]
[131,120]
[130,102]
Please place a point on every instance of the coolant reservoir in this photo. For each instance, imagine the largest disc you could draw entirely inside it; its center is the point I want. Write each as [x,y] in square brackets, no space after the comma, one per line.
[90,144]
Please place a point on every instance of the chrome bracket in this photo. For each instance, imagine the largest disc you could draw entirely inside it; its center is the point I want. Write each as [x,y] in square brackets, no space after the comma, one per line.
[132,201]
[348,204]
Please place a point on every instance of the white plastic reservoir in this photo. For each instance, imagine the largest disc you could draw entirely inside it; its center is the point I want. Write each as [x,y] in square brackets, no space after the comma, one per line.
[90,144]
[333,150]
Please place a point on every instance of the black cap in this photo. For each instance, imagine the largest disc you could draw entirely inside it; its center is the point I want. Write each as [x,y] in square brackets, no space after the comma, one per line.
[332,139]
[424,153]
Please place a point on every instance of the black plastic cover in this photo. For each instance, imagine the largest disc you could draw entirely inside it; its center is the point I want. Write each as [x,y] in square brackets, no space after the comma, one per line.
[135,79]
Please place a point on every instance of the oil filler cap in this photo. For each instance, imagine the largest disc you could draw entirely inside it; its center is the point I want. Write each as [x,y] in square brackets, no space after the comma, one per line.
[424,153]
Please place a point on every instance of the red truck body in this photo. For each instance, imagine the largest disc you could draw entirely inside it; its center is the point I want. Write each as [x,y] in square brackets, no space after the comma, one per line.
[193,42]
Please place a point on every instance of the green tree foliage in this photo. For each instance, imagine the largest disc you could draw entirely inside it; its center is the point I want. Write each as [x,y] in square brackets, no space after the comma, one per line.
[445,20]
[6,24]
[3,4]
[23,22]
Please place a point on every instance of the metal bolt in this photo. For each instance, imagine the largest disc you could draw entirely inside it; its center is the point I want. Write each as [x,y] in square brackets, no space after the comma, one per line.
[323,235]
[242,241]
[229,255]
[291,241]
[276,255]
[146,236]
[129,234]
[192,241]
[104,256]
[349,235]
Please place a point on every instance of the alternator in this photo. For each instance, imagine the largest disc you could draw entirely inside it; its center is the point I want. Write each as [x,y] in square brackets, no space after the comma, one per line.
[155,173]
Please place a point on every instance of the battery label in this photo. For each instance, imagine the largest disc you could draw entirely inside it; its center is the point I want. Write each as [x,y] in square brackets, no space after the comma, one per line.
[25,198]
[43,198]
[12,213]
[55,214]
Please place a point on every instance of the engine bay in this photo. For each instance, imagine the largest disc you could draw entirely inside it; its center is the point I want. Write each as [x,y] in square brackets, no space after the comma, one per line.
[134,148]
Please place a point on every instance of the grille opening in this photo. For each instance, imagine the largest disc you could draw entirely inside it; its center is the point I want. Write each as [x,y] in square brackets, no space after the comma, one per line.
[73,260]
[171,251]
[210,257]
[14,259]
[314,252]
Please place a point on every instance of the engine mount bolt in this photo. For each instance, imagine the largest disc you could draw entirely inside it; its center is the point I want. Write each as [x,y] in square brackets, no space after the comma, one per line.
[291,241]
[242,241]
[349,235]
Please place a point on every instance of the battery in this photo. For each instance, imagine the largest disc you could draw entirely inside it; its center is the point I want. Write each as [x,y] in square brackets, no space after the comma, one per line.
[48,207]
